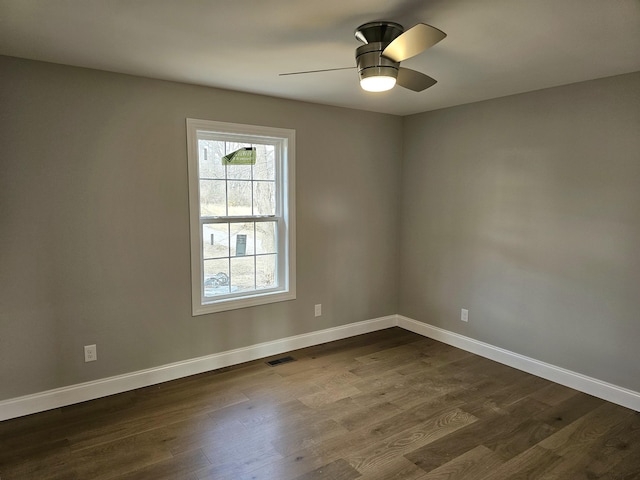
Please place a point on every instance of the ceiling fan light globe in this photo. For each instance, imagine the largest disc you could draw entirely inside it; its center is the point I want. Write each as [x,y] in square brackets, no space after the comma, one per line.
[377,83]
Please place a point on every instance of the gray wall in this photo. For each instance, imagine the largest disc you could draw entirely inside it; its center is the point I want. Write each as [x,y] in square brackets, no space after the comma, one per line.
[526,211]
[94,233]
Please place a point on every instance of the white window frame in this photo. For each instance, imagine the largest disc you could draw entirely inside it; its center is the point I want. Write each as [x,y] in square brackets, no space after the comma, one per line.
[285,216]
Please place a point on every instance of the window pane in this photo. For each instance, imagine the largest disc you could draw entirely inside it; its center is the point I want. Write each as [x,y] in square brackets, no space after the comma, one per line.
[210,154]
[215,240]
[265,167]
[212,198]
[237,172]
[266,237]
[264,198]
[239,198]
[266,271]
[242,273]
[216,277]
[242,239]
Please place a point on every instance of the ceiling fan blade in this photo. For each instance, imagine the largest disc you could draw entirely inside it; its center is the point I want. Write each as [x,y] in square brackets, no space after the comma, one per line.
[316,71]
[412,42]
[413,80]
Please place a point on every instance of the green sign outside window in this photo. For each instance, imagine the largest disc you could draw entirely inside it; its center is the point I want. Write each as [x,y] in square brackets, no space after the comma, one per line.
[244,156]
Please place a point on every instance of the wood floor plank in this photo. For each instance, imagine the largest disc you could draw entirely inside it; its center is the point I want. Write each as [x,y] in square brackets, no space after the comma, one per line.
[239,458]
[594,444]
[52,464]
[530,464]
[281,391]
[616,446]
[374,456]
[359,345]
[437,354]
[118,457]
[628,469]
[385,383]
[96,433]
[194,433]
[287,468]
[257,414]
[553,394]
[357,418]
[523,387]
[305,435]
[397,469]
[528,434]
[179,467]
[379,430]
[402,358]
[495,430]
[475,464]
[390,405]
[566,412]
[333,386]
[578,436]
[337,470]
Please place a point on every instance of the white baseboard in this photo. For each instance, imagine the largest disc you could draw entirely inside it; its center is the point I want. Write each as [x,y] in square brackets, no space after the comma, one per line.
[592,386]
[59,397]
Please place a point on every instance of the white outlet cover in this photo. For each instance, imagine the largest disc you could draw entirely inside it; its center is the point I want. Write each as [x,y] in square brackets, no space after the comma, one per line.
[318,310]
[464,315]
[90,353]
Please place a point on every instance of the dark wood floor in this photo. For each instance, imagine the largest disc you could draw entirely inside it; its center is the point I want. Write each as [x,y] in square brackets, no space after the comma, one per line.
[386,405]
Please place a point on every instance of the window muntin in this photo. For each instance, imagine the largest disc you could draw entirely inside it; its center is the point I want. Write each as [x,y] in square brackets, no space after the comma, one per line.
[242,216]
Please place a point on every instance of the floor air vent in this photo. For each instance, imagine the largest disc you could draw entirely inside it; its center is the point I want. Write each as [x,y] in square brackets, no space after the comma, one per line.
[280,361]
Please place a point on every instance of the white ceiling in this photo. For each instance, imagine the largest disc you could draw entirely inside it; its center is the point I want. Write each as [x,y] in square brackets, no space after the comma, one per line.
[493,48]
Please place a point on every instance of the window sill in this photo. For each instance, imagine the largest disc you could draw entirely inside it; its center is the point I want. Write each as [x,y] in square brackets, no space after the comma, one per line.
[216,306]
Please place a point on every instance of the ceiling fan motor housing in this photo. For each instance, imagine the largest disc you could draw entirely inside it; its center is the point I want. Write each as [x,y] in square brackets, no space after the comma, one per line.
[376,36]
[371,63]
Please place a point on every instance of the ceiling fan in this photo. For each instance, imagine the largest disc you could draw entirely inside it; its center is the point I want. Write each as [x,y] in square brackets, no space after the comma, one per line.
[386,44]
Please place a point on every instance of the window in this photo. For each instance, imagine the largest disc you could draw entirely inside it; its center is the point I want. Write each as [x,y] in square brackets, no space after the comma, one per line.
[241,201]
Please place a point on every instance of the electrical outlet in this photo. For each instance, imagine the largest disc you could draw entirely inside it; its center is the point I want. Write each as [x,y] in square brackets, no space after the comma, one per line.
[90,353]
[464,315]
[318,310]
